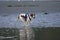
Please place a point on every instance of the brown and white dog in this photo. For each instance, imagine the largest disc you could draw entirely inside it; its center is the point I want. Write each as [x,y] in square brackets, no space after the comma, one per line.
[26,18]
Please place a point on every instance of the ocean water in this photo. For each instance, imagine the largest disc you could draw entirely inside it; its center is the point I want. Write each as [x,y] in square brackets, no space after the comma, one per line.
[9,14]
[9,18]
[45,26]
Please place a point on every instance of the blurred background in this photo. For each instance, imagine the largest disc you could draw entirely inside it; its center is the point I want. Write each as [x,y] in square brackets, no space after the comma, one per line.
[29,0]
[46,25]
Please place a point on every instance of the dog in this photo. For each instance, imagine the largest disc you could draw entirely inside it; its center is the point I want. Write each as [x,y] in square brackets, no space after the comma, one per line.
[26,18]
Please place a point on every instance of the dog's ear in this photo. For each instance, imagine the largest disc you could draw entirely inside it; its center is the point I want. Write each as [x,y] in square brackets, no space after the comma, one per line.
[32,15]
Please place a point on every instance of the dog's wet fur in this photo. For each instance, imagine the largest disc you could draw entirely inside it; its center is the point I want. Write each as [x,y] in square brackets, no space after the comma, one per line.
[32,15]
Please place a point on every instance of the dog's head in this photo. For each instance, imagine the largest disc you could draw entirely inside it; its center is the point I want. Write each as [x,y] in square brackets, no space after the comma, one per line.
[32,15]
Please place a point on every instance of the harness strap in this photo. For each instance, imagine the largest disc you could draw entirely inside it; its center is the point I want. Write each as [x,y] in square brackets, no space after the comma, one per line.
[27,16]
[30,18]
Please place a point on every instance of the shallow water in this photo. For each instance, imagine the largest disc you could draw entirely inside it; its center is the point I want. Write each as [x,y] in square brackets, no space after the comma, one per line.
[48,33]
[9,15]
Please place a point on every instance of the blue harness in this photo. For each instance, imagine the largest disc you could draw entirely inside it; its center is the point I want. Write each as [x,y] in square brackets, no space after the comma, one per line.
[26,16]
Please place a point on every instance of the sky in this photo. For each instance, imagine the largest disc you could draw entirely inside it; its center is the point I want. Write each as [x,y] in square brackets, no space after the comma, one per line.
[9,15]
